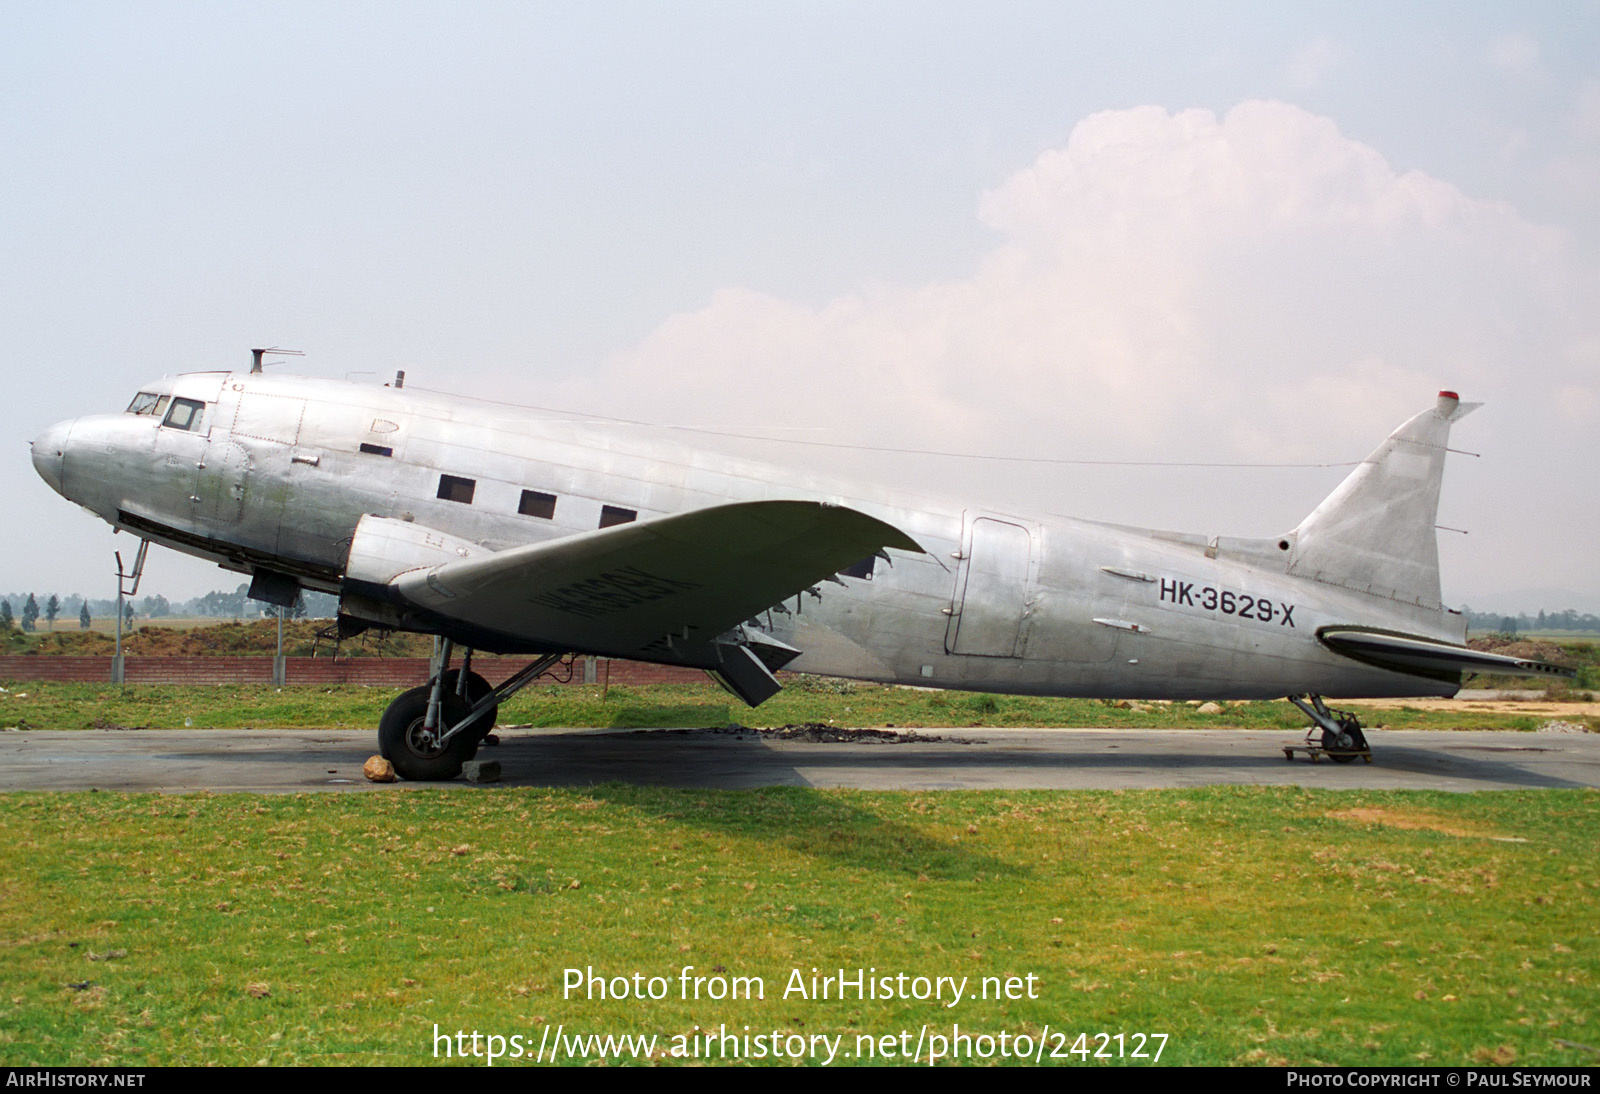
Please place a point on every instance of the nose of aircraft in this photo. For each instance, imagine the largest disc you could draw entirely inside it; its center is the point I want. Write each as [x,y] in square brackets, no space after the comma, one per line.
[49,453]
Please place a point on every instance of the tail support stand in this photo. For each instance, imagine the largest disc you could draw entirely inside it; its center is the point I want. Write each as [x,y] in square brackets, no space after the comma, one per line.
[1335,734]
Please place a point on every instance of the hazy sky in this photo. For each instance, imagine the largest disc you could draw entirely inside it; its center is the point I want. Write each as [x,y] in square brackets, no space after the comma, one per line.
[1218,232]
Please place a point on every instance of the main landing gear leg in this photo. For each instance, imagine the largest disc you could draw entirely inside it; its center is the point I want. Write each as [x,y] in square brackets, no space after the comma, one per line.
[1334,733]
[429,732]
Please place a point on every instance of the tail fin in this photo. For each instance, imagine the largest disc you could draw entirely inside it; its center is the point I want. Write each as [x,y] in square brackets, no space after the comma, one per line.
[1375,533]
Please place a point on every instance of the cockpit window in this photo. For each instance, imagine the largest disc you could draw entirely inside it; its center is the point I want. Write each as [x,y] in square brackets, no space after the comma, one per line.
[185,414]
[148,402]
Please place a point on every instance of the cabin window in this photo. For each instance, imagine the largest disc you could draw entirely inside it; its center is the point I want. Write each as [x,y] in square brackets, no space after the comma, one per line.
[379,450]
[185,414]
[452,488]
[535,504]
[611,515]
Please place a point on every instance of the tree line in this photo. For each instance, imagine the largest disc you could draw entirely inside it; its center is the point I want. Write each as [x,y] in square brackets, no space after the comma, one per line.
[1567,620]
[29,611]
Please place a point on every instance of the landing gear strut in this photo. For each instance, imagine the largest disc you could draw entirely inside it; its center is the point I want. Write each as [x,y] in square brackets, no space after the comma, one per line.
[429,732]
[1335,734]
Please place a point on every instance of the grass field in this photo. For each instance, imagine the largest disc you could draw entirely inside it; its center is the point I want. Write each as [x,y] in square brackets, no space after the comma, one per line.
[1248,925]
[35,705]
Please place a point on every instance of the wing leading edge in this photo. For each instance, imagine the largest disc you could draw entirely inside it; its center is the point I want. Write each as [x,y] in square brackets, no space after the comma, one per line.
[662,590]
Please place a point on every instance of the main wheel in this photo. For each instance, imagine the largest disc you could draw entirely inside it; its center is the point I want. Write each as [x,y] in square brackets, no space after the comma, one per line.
[404,741]
[477,688]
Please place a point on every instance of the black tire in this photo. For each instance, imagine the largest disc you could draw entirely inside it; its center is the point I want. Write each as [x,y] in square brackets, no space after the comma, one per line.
[400,730]
[1345,753]
[477,688]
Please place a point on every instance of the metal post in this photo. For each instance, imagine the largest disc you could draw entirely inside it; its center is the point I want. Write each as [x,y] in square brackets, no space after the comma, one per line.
[124,589]
[116,658]
[280,666]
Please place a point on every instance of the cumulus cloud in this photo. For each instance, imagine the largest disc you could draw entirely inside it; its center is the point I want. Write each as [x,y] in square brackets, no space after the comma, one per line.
[1156,264]
[1256,286]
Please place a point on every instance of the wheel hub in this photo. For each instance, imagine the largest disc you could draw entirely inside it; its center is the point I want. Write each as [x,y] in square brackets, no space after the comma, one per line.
[422,740]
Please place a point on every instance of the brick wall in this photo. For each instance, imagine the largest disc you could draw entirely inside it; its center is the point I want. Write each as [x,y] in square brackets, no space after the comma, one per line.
[374,671]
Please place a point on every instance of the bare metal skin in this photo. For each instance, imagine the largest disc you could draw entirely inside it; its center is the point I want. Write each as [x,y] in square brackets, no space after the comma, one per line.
[509,529]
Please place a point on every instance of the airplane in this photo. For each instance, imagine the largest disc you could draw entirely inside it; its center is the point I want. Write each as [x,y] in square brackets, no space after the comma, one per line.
[513,530]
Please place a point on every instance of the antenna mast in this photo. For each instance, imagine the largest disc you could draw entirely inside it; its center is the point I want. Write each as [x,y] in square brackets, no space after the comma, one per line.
[257,354]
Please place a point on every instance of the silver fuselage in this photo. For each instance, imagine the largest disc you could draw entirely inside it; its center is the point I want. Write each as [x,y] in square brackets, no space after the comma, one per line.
[280,470]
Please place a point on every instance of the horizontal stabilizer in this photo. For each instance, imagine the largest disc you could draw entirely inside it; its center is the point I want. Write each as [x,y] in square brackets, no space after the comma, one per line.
[1429,657]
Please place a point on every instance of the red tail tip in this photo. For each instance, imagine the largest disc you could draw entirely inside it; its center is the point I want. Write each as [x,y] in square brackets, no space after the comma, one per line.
[1449,395]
